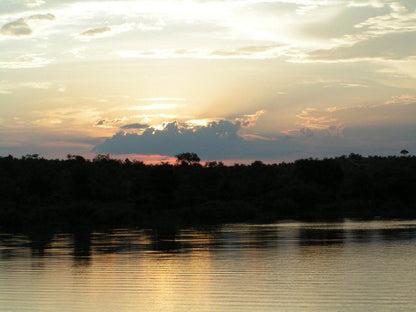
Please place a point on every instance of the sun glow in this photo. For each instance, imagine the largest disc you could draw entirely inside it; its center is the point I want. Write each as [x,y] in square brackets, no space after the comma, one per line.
[200,122]
[155,106]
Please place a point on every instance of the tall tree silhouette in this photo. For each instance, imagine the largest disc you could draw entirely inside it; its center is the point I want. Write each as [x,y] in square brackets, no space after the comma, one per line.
[187,158]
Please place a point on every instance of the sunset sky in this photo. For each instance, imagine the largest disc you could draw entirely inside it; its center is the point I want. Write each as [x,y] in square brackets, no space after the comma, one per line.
[230,80]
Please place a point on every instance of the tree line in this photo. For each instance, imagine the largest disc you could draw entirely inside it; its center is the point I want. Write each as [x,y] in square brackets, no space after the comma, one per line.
[106,192]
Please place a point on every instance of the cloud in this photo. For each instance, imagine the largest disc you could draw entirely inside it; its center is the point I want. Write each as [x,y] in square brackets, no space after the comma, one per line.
[390,46]
[312,118]
[334,83]
[7,88]
[135,126]
[20,27]
[341,24]
[397,111]
[334,120]
[399,18]
[217,137]
[379,129]
[221,140]
[366,3]
[258,52]
[72,115]
[16,28]
[105,31]
[215,140]
[248,121]
[78,52]
[48,16]
[110,123]
[231,139]
[36,85]
[34,3]
[25,61]
[366,30]
[404,99]
[244,52]
[20,141]
[95,31]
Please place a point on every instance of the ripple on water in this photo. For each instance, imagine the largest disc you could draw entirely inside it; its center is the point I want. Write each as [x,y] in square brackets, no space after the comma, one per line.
[352,266]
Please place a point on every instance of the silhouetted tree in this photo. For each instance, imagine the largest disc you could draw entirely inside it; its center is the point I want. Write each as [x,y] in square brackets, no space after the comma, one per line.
[32,156]
[213,164]
[257,163]
[404,152]
[187,158]
[77,158]
[101,158]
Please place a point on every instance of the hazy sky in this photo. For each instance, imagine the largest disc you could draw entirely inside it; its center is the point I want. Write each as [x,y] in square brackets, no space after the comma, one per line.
[230,79]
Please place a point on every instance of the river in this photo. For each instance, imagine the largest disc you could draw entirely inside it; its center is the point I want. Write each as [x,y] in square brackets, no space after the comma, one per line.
[288,266]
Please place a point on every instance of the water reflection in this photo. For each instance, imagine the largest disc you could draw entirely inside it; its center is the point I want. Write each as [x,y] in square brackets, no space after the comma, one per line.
[82,247]
[398,234]
[173,240]
[165,240]
[312,236]
[39,242]
[351,266]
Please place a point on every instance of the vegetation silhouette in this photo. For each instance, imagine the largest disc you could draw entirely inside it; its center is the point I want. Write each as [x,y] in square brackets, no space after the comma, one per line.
[84,195]
[186,159]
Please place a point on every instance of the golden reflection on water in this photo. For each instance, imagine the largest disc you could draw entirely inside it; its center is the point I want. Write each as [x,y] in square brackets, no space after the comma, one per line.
[352,266]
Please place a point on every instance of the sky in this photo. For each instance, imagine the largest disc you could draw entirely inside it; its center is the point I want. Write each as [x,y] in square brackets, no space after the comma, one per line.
[235,80]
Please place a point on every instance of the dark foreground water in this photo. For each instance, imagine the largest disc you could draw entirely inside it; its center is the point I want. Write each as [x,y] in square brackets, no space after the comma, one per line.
[352,266]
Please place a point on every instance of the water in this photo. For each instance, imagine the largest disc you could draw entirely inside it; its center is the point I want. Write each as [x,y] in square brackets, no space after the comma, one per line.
[351,266]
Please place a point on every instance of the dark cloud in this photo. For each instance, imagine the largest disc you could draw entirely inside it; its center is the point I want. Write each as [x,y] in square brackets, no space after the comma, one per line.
[135,126]
[95,31]
[217,140]
[108,123]
[229,139]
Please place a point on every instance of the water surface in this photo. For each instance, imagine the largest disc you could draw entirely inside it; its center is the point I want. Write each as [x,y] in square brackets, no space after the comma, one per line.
[351,266]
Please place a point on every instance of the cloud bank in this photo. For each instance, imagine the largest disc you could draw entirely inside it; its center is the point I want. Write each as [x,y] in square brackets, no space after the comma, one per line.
[323,133]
